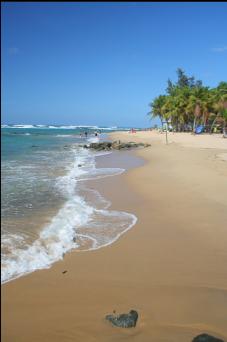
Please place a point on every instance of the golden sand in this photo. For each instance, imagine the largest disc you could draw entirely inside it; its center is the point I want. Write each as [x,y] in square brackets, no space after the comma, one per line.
[170,267]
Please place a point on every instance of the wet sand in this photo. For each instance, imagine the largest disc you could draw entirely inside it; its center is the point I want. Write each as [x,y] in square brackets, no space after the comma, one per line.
[171,266]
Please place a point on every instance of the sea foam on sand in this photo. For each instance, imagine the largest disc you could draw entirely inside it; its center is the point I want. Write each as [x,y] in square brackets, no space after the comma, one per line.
[77,225]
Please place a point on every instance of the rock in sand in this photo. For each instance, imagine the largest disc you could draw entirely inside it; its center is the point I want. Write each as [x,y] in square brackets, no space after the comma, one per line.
[124,320]
[206,338]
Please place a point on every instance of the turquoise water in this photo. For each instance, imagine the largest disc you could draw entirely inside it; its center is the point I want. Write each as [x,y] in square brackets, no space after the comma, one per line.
[30,160]
[46,208]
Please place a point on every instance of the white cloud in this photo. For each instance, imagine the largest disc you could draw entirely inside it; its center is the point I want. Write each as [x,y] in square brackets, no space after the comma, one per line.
[220,49]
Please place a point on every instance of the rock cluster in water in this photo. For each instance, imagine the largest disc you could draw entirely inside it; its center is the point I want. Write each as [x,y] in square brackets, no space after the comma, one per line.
[115,145]
[206,338]
[124,320]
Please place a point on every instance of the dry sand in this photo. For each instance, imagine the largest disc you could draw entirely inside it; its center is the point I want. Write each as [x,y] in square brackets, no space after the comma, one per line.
[171,266]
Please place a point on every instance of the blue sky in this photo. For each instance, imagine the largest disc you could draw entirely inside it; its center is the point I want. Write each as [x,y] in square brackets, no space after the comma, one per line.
[103,63]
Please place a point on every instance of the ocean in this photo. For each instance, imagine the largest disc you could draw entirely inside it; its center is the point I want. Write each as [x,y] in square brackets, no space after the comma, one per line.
[47,209]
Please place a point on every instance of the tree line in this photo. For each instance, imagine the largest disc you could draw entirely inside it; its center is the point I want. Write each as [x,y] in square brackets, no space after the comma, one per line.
[188,103]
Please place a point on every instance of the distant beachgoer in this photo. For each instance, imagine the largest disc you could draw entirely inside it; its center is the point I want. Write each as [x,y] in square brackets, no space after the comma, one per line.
[96,134]
[85,133]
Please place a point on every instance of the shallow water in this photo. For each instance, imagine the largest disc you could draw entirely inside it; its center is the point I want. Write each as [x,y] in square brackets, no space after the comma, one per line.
[47,210]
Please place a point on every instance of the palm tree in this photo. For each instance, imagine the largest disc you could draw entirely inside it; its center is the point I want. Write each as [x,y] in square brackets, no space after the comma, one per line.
[188,103]
[157,108]
[219,96]
[194,106]
[224,117]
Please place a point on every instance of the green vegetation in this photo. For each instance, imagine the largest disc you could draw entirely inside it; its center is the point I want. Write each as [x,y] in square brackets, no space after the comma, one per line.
[187,104]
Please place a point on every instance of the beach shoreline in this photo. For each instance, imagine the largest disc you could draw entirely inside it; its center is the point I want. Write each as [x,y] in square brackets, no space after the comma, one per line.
[170,266]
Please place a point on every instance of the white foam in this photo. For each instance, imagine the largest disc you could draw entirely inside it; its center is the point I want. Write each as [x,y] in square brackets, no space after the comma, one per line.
[72,126]
[84,126]
[108,229]
[75,220]
[92,127]
[64,135]
[54,240]
[108,128]
[23,126]
[95,127]
[93,139]
[101,173]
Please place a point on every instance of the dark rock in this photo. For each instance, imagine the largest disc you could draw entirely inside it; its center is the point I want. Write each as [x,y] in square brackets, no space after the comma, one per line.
[64,272]
[206,338]
[79,165]
[124,320]
[115,145]
[101,146]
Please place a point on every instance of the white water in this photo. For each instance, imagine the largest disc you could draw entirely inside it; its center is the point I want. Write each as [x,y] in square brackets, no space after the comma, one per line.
[77,225]
[65,127]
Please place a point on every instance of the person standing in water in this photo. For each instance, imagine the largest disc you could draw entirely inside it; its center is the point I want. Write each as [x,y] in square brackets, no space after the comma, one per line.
[85,133]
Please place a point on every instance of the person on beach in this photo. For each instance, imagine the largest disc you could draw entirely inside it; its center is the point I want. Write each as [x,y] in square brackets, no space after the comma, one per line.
[85,133]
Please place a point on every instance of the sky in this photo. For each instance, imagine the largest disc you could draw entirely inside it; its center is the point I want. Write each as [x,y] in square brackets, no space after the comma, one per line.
[103,63]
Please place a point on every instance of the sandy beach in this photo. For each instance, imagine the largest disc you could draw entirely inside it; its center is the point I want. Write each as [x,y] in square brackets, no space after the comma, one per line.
[170,267]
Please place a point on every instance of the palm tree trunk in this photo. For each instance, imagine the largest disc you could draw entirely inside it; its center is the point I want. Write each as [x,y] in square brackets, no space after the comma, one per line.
[204,119]
[177,125]
[194,124]
[162,123]
[212,125]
